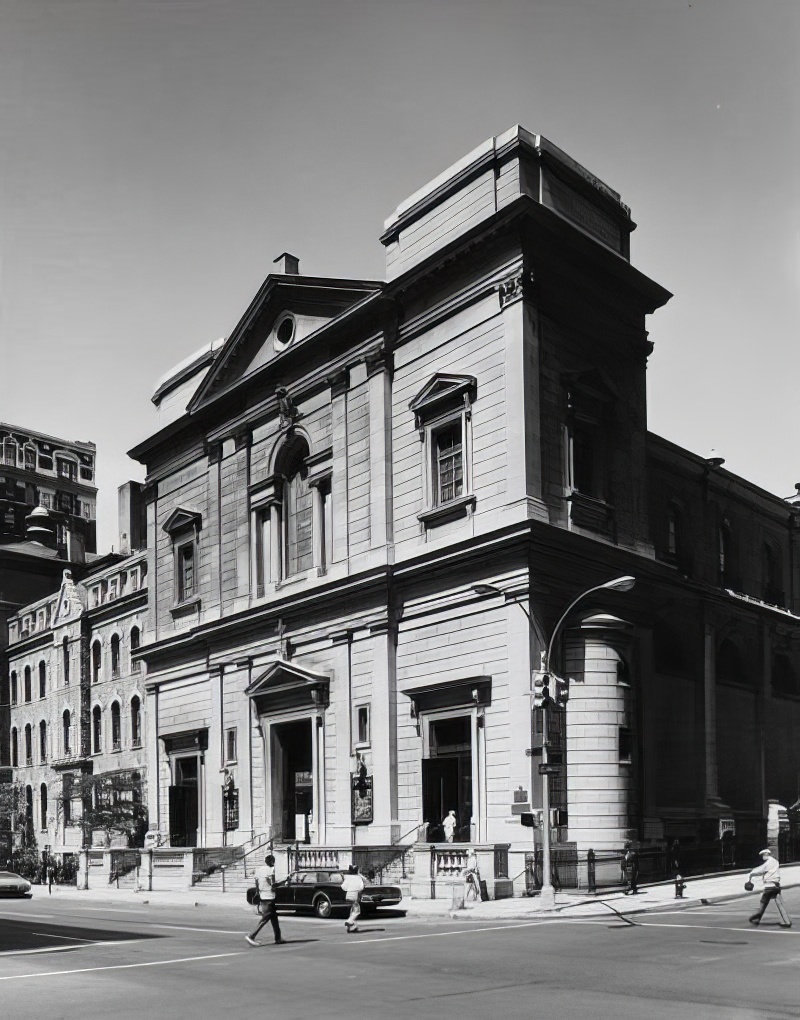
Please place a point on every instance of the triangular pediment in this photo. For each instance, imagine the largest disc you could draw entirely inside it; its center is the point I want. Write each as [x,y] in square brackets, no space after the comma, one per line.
[442,389]
[71,600]
[285,684]
[284,313]
[183,519]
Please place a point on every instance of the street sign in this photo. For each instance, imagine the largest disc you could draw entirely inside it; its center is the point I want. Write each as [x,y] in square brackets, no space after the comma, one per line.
[533,752]
[549,770]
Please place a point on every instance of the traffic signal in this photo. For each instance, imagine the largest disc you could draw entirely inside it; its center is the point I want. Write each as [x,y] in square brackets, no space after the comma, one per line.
[562,690]
[541,690]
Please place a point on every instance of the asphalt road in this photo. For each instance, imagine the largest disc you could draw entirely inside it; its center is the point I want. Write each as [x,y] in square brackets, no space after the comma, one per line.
[65,959]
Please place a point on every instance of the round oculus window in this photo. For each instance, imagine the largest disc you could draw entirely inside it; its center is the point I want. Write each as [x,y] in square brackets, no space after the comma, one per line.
[284,334]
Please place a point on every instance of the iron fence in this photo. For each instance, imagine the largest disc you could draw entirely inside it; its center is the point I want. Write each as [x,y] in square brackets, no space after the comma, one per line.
[123,862]
[595,871]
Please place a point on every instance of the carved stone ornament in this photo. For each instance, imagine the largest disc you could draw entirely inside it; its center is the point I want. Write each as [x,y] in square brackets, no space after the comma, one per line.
[287,410]
[516,287]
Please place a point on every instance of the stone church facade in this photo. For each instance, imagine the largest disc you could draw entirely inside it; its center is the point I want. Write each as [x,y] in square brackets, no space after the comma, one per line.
[369,508]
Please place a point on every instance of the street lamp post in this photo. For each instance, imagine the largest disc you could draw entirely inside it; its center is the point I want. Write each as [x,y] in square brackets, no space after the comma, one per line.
[625,583]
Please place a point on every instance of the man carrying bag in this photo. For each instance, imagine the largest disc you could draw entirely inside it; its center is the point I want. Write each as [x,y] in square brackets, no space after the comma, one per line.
[265,883]
[770,870]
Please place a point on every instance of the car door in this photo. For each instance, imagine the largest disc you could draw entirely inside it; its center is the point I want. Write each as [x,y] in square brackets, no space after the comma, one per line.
[304,889]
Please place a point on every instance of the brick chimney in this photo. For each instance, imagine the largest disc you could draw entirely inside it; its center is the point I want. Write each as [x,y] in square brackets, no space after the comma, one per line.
[288,265]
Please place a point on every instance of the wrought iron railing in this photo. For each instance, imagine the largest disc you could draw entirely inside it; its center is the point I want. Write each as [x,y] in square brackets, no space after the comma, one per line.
[123,862]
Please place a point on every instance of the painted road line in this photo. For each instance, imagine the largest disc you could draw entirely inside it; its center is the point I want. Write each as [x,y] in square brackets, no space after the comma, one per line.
[116,966]
[66,949]
[25,917]
[71,938]
[210,931]
[442,934]
[751,930]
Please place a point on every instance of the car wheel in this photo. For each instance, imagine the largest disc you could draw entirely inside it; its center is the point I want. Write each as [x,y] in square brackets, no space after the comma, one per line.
[322,906]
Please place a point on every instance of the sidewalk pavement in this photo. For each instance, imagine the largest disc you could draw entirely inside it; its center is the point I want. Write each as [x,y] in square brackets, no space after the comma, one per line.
[703,889]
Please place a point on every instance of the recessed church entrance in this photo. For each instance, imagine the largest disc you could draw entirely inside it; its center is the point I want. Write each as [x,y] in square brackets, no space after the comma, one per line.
[184,801]
[292,780]
[447,777]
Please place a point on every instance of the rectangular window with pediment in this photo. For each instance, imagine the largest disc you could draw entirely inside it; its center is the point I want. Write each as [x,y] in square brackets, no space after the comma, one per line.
[183,526]
[443,417]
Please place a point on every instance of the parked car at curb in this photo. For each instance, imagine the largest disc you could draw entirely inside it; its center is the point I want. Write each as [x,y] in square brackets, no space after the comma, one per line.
[322,893]
[12,884]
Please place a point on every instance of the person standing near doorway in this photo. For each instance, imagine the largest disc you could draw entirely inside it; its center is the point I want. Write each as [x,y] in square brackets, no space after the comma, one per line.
[771,879]
[449,826]
[265,883]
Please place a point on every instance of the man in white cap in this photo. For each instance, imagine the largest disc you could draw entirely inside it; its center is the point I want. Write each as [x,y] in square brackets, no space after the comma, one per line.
[771,872]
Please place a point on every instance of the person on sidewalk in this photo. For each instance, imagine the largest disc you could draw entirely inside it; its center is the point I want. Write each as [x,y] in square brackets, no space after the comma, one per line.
[472,878]
[630,870]
[771,877]
[265,883]
[353,885]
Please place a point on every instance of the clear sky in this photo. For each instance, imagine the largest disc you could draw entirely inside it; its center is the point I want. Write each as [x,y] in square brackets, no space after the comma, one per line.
[157,155]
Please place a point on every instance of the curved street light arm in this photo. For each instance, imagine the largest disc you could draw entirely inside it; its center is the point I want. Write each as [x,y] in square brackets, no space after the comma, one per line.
[564,615]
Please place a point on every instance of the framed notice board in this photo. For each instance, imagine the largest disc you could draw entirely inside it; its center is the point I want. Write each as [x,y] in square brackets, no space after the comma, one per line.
[361,800]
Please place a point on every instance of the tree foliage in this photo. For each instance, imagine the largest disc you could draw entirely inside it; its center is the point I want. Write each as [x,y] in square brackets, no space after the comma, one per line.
[112,802]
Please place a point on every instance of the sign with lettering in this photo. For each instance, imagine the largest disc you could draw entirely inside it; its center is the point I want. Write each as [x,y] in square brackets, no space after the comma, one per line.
[361,800]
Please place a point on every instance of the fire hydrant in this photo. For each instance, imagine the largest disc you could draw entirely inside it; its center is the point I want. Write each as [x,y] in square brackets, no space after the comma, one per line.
[680,885]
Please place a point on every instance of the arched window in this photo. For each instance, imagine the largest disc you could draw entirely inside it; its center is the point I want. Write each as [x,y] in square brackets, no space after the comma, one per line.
[97,730]
[28,693]
[136,721]
[97,661]
[116,728]
[297,508]
[728,567]
[28,745]
[29,454]
[14,691]
[29,805]
[42,741]
[65,660]
[14,748]
[42,680]
[10,452]
[66,727]
[136,639]
[43,805]
[115,654]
